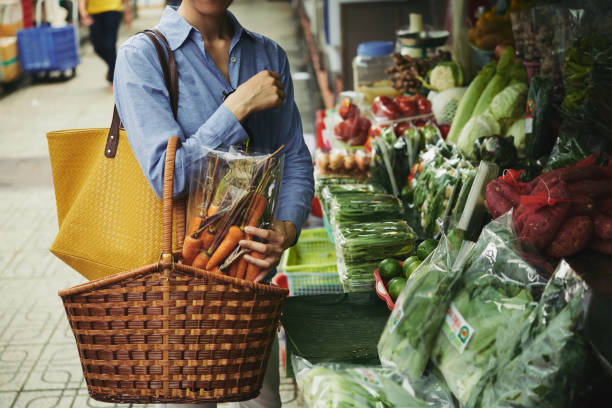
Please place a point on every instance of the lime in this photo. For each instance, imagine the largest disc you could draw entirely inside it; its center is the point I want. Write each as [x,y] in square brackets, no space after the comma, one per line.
[426,247]
[407,267]
[395,286]
[408,270]
[389,268]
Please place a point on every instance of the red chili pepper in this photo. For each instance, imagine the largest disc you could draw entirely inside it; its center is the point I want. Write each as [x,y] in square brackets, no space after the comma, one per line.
[348,109]
[424,106]
[383,107]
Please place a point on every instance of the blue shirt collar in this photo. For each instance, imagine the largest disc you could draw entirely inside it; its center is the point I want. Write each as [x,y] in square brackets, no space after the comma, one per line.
[177,29]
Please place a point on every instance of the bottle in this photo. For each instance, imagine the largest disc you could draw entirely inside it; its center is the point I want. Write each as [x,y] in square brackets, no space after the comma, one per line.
[369,69]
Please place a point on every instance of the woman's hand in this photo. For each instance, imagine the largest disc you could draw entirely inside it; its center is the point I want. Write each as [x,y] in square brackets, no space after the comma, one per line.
[86,19]
[127,18]
[262,91]
[275,242]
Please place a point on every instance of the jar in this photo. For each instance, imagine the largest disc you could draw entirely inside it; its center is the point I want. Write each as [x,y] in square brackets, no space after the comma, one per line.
[369,69]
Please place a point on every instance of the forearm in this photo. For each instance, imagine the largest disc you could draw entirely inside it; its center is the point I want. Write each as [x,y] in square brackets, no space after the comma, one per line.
[127,7]
[83,7]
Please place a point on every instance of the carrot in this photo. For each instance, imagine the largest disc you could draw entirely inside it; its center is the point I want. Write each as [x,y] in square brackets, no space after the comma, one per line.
[258,209]
[216,270]
[229,243]
[253,270]
[195,224]
[201,260]
[242,267]
[212,210]
[191,247]
[233,269]
[208,239]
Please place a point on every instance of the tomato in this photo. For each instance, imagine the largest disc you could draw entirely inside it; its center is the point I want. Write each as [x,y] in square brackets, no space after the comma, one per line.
[424,106]
[384,107]
[400,128]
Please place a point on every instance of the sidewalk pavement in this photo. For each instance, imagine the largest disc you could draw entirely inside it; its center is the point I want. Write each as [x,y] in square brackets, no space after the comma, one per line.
[39,365]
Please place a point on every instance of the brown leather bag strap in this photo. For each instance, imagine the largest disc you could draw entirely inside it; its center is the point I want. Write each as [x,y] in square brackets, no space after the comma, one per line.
[170,73]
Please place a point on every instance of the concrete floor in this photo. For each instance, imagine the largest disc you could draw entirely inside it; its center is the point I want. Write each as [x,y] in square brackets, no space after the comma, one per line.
[39,366]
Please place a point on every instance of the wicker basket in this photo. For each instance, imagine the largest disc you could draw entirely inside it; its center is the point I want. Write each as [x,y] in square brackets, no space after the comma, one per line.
[173,333]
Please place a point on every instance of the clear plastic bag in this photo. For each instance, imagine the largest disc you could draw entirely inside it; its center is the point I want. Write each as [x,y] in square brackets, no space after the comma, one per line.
[497,287]
[335,385]
[359,208]
[361,246]
[229,191]
[419,311]
[541,362]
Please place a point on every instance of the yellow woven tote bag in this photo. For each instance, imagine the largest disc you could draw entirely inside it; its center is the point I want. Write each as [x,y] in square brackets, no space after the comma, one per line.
[109,217]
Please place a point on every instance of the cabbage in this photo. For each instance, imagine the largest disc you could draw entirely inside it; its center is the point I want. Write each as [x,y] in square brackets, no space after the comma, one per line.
[444,104]
[517,130]
[477,127]
[509,103]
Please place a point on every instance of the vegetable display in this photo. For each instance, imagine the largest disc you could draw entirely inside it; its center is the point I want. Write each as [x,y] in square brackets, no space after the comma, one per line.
[354,163]
[230,191]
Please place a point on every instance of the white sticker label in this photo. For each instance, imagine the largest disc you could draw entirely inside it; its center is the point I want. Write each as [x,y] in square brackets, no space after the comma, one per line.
[457,331]
[529,125]
[368,376]
[396,314]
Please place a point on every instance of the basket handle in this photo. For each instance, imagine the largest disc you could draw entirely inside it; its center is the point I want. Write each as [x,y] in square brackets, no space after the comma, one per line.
[167,200]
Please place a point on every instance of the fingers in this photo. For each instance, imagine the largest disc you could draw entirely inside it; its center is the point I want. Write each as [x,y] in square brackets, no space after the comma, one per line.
[265,234]
[273,74]
[254,246]
[266,263]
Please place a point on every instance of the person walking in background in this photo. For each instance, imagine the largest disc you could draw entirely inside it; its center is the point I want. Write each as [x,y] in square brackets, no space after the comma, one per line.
[103,17]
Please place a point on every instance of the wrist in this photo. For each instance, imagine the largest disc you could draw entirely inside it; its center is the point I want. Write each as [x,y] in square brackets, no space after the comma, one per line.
[240,109]
[290,233]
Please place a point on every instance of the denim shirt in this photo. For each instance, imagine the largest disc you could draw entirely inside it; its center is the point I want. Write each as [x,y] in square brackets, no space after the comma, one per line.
[144,107]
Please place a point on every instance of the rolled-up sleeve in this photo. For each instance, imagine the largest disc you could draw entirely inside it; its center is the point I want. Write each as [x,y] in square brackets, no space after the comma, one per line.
[143,103]
[297,188]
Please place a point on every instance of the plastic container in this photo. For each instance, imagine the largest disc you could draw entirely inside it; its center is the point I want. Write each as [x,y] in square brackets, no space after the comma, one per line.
[369,69]
[47,48]
[310,265]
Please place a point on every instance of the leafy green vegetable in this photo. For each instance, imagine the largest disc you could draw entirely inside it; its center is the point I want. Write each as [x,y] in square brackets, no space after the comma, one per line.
[496,149]
[509,103]
[469,100]
[497,83]
[479,126]
[541,360]
[361,246]
[334,385]
[360,207]
[516,133]
[418,313]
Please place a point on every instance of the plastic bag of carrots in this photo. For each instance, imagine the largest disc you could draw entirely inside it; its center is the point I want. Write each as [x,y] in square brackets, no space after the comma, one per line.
[229,191]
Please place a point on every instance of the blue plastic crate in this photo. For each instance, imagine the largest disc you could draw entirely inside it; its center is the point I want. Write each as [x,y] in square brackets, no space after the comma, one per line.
[47,48]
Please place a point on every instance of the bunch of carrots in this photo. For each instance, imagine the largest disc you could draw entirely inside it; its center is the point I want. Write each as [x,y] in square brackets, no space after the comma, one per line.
[214,234]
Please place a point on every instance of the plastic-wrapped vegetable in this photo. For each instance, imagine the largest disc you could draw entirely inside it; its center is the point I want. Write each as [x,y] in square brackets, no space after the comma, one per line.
[360,247]
[352,208]
[335,385]
[321,182]
[543,359]
[433,190]
[329,192]
[419,311]
[497,287]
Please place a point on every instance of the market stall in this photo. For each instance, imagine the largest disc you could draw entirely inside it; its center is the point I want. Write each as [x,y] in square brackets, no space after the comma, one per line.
[474,197]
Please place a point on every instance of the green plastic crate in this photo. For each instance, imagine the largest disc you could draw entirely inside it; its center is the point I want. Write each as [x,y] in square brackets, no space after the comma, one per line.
[310,265]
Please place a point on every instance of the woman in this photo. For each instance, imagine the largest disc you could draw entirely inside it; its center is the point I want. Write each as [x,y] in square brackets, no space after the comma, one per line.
[103,17]
[230,80]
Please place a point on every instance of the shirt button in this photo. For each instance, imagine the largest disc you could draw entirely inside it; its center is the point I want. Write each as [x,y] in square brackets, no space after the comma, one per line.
[233,59]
